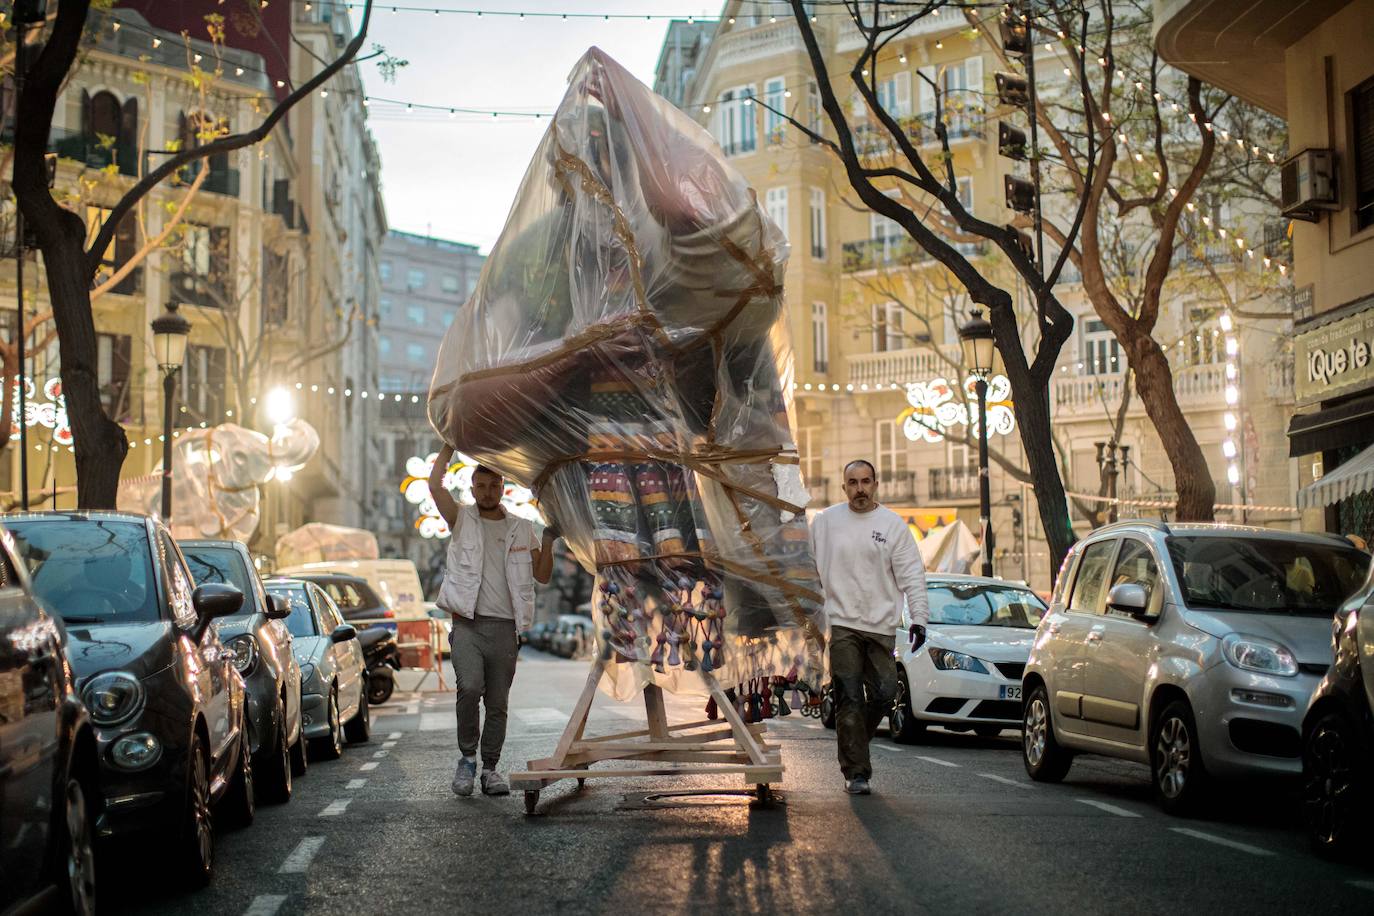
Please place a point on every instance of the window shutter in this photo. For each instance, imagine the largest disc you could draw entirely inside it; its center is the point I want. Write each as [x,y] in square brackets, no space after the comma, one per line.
[925,91]
[901,92]
[126,147]
[973,79]
[857,109]
[85,114]
[126,239]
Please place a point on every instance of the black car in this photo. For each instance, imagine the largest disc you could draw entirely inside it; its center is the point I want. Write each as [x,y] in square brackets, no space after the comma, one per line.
[261,644]
[161,689]
[354,596]
[1338,738]
[49,779]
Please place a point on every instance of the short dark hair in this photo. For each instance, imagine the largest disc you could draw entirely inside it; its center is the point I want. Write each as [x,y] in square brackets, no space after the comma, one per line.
[864,461]
[483,469]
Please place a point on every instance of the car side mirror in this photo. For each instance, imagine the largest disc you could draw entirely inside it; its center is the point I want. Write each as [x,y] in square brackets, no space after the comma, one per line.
[212,600]
[278,608]
[1129,598]
[343,633]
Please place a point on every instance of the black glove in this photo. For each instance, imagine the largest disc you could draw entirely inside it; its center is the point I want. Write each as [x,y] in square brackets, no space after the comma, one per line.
[552,533]
[917,633]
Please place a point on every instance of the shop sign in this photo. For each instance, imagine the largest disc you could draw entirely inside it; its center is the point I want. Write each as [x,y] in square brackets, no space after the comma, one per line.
[1334,359]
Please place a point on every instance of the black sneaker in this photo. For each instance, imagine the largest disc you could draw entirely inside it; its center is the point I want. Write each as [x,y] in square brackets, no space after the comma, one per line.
[857,786]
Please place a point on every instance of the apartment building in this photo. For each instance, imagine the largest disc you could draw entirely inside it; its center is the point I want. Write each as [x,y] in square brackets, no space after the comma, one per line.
[874,321]
[1315,70]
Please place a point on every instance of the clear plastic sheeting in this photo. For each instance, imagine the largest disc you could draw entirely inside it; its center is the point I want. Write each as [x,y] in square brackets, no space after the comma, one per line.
[216,475]
[317,542]
[626,357]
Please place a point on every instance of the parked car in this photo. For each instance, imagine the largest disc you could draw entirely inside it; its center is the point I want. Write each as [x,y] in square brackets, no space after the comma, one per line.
[1338,738]
[162,691]
[539,636]
[1191,648]
[261,644]
[572,636]
[49,764]
[334,706]
[394,581]
[967,675]
[356,600]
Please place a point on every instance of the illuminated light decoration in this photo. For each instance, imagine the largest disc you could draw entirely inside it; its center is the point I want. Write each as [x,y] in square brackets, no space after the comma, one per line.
[936,408]
[51,414]
[516,500]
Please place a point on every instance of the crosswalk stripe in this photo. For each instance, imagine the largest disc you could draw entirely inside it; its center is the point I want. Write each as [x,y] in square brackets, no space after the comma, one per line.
[436,721]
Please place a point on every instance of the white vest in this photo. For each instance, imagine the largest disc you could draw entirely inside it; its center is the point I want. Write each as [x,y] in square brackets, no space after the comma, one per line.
[463,571]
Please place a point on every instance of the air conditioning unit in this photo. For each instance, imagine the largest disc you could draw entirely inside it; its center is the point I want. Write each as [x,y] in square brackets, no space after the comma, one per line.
[1308,184]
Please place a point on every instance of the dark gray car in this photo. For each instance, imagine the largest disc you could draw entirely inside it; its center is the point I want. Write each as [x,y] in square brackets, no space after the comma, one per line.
[263,654]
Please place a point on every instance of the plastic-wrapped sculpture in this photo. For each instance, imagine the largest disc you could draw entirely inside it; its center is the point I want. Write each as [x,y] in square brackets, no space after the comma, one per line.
[216,475]
[316,542]
[625,356]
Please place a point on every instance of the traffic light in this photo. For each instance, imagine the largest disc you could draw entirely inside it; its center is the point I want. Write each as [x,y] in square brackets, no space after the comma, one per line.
[1015,34]
[1020,194]
[1011,141]
[1012,89]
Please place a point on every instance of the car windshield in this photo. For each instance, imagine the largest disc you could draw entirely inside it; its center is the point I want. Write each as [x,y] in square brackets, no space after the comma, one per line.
[350,595]
[1264,574]
[89,570]
[302,621]
[980,604]
[220,564]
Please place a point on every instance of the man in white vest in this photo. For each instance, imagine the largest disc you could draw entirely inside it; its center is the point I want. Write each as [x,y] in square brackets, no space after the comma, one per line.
[494,559]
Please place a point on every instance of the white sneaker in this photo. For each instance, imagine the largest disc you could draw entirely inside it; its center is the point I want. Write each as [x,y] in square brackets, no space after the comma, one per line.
[493,783]
[463,776]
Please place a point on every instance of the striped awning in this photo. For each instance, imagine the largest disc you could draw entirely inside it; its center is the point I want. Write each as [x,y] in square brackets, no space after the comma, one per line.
[1354,476]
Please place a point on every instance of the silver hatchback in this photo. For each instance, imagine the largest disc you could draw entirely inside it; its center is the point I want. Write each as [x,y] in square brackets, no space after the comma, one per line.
[1191,648]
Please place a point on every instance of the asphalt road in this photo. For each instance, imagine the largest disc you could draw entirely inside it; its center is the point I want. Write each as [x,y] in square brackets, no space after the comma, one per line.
[954,825]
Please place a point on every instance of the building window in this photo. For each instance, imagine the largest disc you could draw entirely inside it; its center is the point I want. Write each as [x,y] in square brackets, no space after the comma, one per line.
[449,283]
[809,451]
[814,108]
[890,448]
[887,327]
[775,202]
[203,275]
[1204,340]
[774,96]
[887,239]
[820,337]
[447,319]
[1362,121]
[113,360]
[384,307]
[963,88]
[894,95]
[818,223]
[415,279]
[203,379]
[384,345]
[123,247]
[1101,352]
[415,352]
[109,134]
[735,121]
[276,287]
[415,314]
[384,271]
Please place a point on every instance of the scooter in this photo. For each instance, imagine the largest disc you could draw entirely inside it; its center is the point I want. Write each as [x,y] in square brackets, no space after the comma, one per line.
[382,660]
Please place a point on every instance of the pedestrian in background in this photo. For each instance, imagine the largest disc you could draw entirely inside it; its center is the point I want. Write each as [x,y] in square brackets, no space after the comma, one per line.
[493,561]
[868,561]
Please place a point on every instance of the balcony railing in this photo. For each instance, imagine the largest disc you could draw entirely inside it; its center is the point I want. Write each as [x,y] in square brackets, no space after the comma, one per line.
[874,371]
[1194,386]
[898,486]
[849,38]
[875,139]
[743,45]
[88,150]
[954,483]
[884,251]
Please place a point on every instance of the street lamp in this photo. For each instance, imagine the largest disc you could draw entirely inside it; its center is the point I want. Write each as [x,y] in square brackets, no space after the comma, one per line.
[170,331]
[975,337]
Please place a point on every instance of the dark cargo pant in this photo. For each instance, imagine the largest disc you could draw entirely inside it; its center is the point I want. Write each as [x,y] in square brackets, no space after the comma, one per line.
[860,660]
[484,652]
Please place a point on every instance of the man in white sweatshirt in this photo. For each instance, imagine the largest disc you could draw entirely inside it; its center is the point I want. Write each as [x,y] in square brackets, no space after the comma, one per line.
[868,561]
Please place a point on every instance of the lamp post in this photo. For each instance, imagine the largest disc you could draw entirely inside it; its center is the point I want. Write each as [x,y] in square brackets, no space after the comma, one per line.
[975,338]
[169,344]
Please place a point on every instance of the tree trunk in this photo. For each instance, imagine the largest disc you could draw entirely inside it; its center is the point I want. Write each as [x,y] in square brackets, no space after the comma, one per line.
[1154,382]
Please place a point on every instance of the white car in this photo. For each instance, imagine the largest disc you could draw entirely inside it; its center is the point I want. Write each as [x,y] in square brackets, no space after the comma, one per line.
[967,675]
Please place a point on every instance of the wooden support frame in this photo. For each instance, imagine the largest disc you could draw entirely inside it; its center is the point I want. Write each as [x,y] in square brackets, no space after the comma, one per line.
[726,746]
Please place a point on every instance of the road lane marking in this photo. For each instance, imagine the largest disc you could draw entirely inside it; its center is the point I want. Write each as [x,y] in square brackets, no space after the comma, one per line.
[412,709]
[884,747]
[387,744]
[393,736]
[356,783]
[1020,784]
[540,716]
[1110,809]
[336,807]
[299,859]
[938,761]
[436,721]
[381,753]
[368,766]
[1222,841]
[265,905]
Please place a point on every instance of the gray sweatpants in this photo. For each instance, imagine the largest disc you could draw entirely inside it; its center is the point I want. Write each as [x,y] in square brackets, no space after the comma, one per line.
[484,652]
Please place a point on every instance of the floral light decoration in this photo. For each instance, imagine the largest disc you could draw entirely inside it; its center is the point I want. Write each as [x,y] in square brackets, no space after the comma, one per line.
[517,500]
[935,408]
[51,413]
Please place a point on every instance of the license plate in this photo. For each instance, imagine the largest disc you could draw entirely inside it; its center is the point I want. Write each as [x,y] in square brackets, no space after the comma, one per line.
[1009,692]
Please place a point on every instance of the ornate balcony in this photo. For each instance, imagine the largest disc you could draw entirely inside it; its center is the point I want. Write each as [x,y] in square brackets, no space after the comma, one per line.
[953,483]
[1088,396]
[878,371]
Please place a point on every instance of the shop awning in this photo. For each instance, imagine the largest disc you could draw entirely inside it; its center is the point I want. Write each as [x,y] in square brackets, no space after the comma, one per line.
[1355,476]
[1331,427]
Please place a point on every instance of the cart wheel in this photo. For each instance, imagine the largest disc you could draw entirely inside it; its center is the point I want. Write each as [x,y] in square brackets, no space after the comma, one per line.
[763,795]
[531,799]
[581,781]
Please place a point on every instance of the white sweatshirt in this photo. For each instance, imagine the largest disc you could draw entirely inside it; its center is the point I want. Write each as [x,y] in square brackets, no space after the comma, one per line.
[867,560]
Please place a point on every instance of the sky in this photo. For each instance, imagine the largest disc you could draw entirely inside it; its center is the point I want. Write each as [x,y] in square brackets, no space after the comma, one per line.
[456,178]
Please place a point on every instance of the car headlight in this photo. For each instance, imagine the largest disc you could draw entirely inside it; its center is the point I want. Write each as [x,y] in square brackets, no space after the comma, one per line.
[113,697]
[949,660]
[307,672]
[245,649]
[1253,653]
[136,751]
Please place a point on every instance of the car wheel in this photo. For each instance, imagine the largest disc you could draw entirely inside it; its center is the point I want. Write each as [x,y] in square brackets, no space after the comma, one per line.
[75,868]
[359,728]
[300,760]
[238,802]
[1176,759]
[197,835]
[903,726]
[330,747]
[1045,759]
[274,780]
[828,706]
[1335,796]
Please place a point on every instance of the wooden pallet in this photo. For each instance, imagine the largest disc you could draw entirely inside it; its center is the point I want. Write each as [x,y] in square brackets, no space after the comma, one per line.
[726,746]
